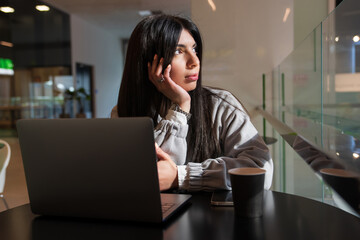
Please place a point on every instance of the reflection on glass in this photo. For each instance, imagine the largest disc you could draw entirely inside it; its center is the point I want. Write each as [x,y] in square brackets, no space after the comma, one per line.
[316,95]
[335,172]
[346,183]
[311,155]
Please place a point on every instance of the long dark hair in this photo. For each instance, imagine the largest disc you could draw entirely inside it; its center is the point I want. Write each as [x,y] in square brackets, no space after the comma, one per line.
[159,34]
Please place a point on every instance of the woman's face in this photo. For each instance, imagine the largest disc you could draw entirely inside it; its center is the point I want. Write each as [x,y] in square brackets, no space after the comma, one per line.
[185,65]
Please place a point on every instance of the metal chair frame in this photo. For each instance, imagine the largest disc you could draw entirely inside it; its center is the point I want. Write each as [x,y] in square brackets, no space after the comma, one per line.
[3,170]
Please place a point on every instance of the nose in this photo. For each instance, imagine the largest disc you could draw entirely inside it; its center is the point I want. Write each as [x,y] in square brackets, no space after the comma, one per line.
[193,60]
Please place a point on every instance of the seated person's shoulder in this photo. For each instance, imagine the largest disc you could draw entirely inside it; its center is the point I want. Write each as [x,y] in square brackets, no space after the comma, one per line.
[224,98]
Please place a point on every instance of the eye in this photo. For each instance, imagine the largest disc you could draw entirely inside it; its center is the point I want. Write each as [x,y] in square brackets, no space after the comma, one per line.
[177,51]
[194,50]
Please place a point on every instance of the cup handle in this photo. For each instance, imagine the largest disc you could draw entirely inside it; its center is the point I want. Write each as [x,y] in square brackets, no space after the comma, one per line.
[7,158]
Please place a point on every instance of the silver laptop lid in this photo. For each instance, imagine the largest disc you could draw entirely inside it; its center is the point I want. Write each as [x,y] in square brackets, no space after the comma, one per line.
[98,168]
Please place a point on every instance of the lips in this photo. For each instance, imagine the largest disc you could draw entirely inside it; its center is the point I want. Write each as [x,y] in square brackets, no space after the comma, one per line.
[193,77]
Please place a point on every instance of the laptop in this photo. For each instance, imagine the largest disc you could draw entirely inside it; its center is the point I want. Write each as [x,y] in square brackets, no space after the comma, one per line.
[94,168]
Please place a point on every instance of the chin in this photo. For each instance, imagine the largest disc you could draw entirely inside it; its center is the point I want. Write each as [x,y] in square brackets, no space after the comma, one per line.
[190,87]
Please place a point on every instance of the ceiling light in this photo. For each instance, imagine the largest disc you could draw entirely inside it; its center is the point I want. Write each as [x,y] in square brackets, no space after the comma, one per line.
[42,8]
[286,15]
[212,5]
[145,13]
[6,44]
[7,9]
[356,38]
[336,39]
[356,155]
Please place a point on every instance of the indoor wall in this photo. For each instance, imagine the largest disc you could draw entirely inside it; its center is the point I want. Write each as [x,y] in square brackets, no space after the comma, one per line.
[96,47]
[242,40]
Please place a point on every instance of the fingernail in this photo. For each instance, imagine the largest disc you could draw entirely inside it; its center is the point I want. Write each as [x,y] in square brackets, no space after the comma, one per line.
[155,56]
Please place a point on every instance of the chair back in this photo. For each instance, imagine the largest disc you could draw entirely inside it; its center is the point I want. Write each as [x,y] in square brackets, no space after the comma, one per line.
[5,153]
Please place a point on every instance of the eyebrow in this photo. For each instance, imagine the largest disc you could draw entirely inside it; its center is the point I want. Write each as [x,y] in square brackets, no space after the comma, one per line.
[183,46]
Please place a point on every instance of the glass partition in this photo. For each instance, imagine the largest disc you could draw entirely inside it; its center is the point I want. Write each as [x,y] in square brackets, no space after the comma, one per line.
[301,95]
[313,109]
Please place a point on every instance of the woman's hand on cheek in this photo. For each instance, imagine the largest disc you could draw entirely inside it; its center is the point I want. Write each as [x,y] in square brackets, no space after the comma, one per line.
[166,85]
[167,170]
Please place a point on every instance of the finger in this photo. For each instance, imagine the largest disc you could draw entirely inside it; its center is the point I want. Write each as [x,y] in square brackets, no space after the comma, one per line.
[159,68]
[167,72]
[162,155]
[156,69]
[154,64]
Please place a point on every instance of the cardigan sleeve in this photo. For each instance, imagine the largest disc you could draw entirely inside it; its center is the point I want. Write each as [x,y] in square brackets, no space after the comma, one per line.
[241,146]
[170,134]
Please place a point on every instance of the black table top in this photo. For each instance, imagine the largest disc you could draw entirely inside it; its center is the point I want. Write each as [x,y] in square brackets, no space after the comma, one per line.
[285,217]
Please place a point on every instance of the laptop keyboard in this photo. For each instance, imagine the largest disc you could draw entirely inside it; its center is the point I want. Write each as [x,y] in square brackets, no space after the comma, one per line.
[166,206]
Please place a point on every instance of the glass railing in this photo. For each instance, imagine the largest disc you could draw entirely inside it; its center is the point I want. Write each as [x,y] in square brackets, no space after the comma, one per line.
[312,106]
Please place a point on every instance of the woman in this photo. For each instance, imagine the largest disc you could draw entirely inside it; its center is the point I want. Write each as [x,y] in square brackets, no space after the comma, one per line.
[200,132]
